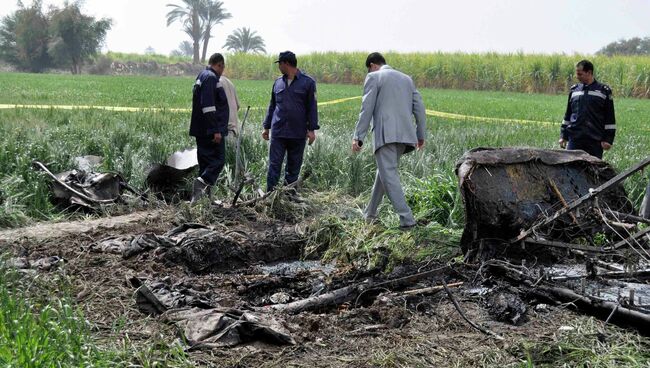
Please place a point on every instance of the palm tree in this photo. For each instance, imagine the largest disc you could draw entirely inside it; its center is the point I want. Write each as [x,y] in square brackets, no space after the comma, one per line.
[245,40]
[185,48]
[189,14]
[213,14]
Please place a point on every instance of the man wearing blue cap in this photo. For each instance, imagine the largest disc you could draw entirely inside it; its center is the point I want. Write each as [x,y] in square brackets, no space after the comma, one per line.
[292,119]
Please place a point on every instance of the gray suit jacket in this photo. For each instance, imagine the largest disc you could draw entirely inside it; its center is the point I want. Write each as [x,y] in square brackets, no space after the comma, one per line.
[390,101]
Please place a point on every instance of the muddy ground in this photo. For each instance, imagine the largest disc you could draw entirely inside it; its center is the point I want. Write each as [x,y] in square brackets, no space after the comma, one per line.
[386,331]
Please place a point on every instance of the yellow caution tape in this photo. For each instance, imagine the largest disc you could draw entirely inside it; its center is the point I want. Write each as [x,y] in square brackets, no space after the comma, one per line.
[439,114]
[338,101]
[133,109]
[447,115]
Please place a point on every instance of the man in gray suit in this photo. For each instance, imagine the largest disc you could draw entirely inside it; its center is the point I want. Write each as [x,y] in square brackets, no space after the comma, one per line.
[390,101]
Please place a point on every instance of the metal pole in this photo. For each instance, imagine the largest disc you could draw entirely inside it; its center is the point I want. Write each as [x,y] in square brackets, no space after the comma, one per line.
[238,147]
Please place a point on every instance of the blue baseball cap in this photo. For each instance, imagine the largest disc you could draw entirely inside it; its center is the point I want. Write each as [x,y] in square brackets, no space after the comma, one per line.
[288,57]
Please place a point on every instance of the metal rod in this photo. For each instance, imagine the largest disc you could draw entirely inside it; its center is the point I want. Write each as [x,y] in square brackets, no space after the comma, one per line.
[238,147]
[633,237]
[627,216]
[557,244]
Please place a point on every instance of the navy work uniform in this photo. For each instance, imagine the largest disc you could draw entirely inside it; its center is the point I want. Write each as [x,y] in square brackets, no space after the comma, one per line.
[292,112]
[589,118]
[209,116]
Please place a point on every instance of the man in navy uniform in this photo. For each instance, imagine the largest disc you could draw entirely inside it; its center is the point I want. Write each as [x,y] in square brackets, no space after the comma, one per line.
[292,119]
[209,125]
[589,122]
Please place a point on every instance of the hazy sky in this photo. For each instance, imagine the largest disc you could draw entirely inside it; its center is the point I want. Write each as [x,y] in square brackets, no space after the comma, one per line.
[545,26]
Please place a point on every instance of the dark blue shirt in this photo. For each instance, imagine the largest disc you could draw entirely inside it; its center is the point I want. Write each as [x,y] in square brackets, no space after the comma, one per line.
[209,106]
[293,109]
[589,114]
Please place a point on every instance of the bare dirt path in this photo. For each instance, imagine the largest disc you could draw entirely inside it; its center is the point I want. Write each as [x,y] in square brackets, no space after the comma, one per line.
[49,231]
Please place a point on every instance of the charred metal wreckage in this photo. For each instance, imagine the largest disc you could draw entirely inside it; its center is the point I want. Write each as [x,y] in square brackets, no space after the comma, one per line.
[559,225]
[542,227]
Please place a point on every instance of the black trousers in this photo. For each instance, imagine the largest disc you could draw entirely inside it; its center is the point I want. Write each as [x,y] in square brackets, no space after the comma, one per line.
[211,157]
[592,147]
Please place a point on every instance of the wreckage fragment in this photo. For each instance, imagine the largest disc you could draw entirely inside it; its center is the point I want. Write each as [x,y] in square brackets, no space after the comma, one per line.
[201,249]
[586,291]
[541,206]
[203,325]
[168,177]
[85,189]
[508,190]
[506,307]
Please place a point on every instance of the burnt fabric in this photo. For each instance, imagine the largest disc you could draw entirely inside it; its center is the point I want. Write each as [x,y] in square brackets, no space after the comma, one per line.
[216,328]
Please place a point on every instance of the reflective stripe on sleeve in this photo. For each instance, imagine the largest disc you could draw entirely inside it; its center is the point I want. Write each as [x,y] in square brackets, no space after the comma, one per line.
[577,94]
[209,109]
[598,94]
[610,126]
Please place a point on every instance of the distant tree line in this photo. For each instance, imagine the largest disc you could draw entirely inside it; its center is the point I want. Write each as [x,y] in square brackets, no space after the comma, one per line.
[633,46]
[33,40]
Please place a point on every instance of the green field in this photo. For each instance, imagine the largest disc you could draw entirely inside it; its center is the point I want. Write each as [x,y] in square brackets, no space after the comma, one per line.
[629,76]
[131,141]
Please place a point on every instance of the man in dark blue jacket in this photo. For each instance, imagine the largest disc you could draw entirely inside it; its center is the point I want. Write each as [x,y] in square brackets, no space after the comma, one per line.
[209,125]
[589,122]
[292,118]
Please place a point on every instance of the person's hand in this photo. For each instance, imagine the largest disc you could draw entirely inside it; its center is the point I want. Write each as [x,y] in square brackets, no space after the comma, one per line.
[562,143]
[217,138]
[311,136]
[420,144]
[356,145]
[605,145]
[265,134]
